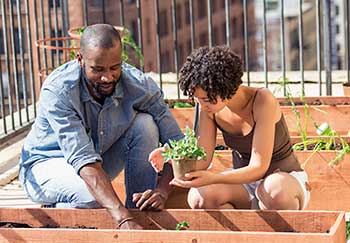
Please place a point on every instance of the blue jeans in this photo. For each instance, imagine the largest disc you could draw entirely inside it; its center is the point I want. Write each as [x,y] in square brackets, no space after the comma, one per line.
[55,182]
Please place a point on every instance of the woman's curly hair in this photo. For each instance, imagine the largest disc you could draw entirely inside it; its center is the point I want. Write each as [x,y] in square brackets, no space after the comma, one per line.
[217,70]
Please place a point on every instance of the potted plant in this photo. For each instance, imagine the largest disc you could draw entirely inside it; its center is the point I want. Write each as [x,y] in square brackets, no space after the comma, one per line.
[184,154]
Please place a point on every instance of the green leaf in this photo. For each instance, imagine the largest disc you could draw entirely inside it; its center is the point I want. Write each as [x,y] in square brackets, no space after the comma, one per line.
[186,147]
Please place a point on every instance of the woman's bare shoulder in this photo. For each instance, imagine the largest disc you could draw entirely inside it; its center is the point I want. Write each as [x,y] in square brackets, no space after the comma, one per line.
[266,103]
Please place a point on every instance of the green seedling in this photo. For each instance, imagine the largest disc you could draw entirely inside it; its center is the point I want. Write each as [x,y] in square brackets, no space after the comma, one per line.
[186,147]
[329,142]
[182,225]
[182,105]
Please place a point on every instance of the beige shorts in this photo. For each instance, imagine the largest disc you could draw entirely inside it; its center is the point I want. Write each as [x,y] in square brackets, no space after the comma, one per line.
[301,177]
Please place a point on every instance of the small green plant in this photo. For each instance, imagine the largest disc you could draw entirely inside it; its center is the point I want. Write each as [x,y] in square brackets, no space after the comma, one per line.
[302,130]
[329,142]
[347,230]
[182,225]
[182,105]
[186,147]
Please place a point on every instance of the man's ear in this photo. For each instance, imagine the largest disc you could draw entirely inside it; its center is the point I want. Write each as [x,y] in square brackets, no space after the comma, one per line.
[79,58]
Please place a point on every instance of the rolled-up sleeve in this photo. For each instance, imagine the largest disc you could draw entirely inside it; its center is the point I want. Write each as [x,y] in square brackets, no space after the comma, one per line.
[77,147]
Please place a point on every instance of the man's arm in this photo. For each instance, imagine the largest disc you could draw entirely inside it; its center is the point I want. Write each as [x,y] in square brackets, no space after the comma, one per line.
[78,149]
[155,199]
[101,188]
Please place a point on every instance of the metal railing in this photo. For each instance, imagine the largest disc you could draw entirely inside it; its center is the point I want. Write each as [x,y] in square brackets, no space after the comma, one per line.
[21,25]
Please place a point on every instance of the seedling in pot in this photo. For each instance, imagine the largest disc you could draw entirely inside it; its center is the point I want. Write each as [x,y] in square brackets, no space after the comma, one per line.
[184,154]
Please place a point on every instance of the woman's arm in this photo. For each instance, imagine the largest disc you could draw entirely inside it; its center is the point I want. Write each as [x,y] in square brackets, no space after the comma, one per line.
[266,114]
[206,137]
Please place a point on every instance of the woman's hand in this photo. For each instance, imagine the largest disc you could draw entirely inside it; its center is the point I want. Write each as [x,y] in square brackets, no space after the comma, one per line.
[197,179]
[156,158]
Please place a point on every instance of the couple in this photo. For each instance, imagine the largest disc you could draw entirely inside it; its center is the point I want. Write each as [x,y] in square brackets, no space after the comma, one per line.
[98,116]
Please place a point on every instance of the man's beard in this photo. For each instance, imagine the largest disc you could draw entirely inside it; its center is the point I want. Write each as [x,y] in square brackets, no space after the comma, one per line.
[96,87]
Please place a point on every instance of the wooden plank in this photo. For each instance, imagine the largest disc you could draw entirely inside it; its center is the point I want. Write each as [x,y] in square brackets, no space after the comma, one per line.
[150,236]
[204,220]
[205,226]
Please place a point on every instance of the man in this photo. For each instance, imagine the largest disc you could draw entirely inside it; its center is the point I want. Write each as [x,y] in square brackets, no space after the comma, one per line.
[96,116]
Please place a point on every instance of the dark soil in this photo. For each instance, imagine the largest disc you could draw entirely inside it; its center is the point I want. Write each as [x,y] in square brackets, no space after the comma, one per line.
[338,146]
[13,225]
[221,147]
[315,102]
[20,225]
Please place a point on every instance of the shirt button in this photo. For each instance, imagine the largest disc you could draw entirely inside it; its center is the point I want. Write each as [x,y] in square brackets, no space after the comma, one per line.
[101,133]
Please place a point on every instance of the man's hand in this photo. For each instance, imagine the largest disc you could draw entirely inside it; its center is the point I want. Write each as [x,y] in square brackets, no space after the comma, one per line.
[150,200]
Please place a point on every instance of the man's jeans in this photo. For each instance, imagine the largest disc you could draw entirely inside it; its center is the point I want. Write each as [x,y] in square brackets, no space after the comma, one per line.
[55,182]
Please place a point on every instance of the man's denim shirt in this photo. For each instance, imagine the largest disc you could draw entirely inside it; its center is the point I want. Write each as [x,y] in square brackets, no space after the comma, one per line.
[71,124]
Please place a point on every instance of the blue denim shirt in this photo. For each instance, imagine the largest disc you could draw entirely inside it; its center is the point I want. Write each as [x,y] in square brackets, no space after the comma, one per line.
[71,124]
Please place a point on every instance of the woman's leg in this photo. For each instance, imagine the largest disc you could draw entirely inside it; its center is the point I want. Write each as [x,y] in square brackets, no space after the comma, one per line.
[280,191]
[219,196]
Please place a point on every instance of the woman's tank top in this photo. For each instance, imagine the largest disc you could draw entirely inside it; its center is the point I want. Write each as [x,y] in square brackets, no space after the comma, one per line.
[282,159]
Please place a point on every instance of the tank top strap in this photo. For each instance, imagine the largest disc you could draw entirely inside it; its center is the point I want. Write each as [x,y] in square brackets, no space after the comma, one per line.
[256,92]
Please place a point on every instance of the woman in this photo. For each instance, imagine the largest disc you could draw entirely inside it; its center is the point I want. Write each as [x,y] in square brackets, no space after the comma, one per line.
[266,173]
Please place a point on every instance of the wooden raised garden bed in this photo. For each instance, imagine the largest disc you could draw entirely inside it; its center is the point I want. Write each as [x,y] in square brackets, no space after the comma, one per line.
[337,117]
[327,182]
[249,226]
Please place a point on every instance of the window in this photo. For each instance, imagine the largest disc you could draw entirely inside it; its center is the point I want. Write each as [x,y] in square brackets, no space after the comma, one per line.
[203,39]
[2,49]
[271,5]
[134,31]
[59,33]
[163,23]
[189,46]
[17,41]
[336,10]
[337,28]
[223,32]
[53,3]
[234,26]
[165,61]
[178,17]
[214,6]
[187,13]
[216,38]
[202,9]
[148,31]
[181,54]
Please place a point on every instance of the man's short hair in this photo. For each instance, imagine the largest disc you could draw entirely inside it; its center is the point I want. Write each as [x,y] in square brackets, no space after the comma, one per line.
[99,36]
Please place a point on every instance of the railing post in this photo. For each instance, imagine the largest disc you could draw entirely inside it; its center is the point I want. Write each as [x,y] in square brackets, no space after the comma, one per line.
[327,49]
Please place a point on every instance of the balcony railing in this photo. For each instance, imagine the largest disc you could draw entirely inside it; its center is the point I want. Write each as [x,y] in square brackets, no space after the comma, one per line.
[273,37]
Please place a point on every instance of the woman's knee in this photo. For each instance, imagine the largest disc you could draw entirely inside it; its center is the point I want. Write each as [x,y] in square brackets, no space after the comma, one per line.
[199,198]
[273,193]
